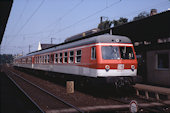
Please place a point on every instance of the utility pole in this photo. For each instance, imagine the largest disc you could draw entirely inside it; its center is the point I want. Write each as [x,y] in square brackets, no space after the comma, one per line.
[52,40]
[29,48]
[101,18]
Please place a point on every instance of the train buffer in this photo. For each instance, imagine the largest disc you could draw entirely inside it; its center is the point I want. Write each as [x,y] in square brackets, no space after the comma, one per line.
[152,91]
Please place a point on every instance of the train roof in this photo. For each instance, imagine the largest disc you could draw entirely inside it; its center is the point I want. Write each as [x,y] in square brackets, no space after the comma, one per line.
[106,38]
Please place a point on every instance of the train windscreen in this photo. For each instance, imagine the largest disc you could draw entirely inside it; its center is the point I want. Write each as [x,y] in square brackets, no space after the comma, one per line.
[114,52]
[110,52]
[126,53]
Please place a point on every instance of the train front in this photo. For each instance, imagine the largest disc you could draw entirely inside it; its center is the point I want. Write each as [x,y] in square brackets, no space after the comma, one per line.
[117,63]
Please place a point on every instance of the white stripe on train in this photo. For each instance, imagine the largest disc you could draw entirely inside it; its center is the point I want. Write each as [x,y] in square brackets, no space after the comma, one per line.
[83,71]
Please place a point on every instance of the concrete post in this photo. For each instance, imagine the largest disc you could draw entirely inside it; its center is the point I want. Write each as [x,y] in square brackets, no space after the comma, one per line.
[70,86]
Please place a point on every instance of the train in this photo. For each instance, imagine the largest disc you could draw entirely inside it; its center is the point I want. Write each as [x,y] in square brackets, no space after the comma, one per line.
[103,59]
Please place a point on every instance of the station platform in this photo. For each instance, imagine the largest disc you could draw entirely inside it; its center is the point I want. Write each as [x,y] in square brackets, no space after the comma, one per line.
[149,89]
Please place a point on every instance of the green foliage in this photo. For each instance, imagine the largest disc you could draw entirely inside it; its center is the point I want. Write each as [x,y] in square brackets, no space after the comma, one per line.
[141,15]
[6,58]
[105,25]
[120,21]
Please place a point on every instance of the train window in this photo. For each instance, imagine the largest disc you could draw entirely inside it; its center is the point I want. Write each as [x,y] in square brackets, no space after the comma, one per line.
[78,56]
[45,58]
[60,58]
[110,52]
[65,57]
[30,60]
[48,58]
[42,59]
[126,53]
[52,58]
[162,61]
[56,58]
[93,53]
[23,61]
[39,59]
[71,57]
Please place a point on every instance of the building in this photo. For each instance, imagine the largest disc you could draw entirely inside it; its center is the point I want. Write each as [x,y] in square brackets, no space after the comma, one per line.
[151,38]
[44,46]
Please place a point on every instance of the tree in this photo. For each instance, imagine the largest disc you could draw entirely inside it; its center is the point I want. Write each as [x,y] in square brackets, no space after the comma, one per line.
[6,58]
[141,15]
[105,25]
[120,21]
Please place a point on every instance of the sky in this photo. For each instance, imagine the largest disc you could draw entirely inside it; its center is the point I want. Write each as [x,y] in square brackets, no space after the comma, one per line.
[34,21]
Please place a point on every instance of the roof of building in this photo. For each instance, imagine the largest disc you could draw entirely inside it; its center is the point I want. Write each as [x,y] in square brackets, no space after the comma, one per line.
[44,46]
[150,28]
[146,29]
[5,8]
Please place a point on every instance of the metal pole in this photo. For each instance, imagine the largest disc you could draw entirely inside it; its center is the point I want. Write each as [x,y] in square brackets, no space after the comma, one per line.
[52,40]
[29,48]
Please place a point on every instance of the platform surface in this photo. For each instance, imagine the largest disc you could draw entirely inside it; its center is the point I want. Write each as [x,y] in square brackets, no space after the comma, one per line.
[152,88]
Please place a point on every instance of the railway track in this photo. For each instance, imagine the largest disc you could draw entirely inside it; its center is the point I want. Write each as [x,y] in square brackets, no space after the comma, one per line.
[50,103]
[43,99]
[147,106]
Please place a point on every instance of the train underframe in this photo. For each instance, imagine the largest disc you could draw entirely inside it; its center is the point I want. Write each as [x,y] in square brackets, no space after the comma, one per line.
[115,82]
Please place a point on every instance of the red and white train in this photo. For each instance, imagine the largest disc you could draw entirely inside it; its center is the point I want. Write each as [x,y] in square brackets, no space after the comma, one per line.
[106,58]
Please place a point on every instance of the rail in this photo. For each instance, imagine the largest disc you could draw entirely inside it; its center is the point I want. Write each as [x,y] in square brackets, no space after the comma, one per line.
[25,93]
[146,106]
[58,98]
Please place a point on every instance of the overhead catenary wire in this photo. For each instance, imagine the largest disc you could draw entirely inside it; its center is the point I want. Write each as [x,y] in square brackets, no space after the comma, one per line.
[64,15]
[48,31]
[19,18]
[89,16]
[141,10]
[35,11]
[73,23]
[22,27]
[21,15]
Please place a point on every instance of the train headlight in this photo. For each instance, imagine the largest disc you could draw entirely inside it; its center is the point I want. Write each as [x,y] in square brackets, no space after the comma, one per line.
[132,67]
[117,40]
[107,67]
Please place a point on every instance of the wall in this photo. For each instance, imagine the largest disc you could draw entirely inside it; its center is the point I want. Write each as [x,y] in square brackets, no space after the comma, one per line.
[155,75]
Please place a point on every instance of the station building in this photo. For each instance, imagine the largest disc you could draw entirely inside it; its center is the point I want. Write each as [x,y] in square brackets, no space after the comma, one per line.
[151,38]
